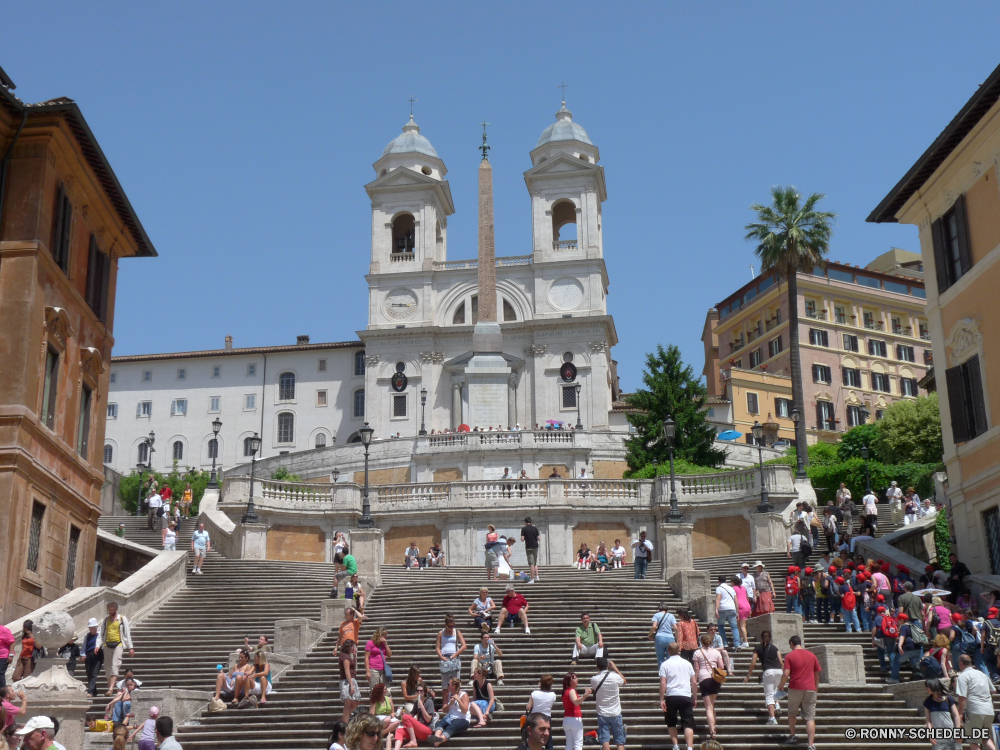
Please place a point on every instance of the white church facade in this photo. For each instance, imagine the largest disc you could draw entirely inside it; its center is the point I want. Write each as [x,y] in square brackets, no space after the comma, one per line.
[407,373]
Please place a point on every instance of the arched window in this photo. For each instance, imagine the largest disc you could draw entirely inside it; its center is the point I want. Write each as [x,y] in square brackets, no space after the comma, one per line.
[178,450]
[143,453]
[564,221]
[286,386]
[286,427]
[213,448]
[359,403]
[403,234]
[247,450]
[508,311]
[359,363]
[109,454]
[321,440]
[459,317]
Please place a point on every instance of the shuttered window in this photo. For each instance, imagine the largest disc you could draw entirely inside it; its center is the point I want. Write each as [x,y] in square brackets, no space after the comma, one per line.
[965,398]
[850,343]
[752,403]
[61,229]
[952,254]
[877,348]
[782,407]
[774,347]
[51,388]
[98,280]
[825,419]
[852,377]
[822,374]
[818,337]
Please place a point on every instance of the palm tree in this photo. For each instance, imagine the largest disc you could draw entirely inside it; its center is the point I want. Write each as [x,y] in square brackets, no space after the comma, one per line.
[792,236]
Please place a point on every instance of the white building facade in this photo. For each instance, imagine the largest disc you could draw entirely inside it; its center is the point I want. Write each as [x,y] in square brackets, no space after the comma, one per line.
[551,306]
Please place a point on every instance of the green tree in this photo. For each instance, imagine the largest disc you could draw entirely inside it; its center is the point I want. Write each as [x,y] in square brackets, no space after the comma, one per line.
[129,486]
[671,389]
[911,431]
[856,438]
[792,236]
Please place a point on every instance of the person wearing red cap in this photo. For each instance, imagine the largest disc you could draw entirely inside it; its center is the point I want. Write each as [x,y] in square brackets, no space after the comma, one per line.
[849,605]
[820,588]
[792,587]
[807,596]
[882,648]
[991,643]
[905,648]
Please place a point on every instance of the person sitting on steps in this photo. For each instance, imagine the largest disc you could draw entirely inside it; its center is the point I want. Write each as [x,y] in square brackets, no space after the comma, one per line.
[480,610]
[589,641]
[514,606]
[227,686]
[346,559]
[487,655]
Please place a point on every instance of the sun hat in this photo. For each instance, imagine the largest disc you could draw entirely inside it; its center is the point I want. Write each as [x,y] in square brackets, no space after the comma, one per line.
[759,564]
[36,722]
[745,565]
[92,622]
[153,712]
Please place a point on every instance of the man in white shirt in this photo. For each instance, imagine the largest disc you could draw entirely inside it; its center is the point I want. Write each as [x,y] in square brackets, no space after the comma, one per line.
[894,496]
[678,694]
[870,511]
[152,506]
[975,701]
[605,686]
[927,509]
[642,550]
[749,584]
[411,556]
[725,612]
[201,544]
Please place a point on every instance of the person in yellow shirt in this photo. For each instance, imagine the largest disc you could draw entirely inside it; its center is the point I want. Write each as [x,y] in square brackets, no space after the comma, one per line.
[100,725]
[186,500]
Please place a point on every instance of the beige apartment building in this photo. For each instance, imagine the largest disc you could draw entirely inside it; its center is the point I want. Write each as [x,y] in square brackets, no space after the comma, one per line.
[951,194]
[864,343]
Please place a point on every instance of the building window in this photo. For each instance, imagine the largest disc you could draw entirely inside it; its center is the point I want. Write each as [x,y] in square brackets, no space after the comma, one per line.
[74,544]
[247,450]
[250,402]
[143,453]
[925,333]
[880,382]
[322,365]
[569,397]
[818,337]
[810,308]
[825,419]
[286,386]
[320,398]
[850,343]
[879,413]
[179,407]
[182,374]
[144,409]
[251,370]
[51,388]
[109,454]
[852,377]
[991,524]
[112,411]
[774,347]
[216,371]
[738,364]
[114,377]
[905,354]
[147,376]
[756,357]
[752,403]
[853,416]
[213,448]
[83,423]
[952,254]
[876,348]
[286,427]
[965,397]
[215,403]
[35,535]
[321,440]
[508,312]
[359,363]
[908,386]
[399,406]
[178,450]
[822,374]
[841,314]
[61,229]
[98,280]
[359,403]
[783,407]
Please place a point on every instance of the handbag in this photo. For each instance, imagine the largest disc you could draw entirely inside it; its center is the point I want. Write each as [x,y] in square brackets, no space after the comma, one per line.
[387,671]
[454,664]
[718,674]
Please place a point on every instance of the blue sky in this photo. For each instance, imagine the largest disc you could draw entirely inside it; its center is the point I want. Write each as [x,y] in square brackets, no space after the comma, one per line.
[243,133]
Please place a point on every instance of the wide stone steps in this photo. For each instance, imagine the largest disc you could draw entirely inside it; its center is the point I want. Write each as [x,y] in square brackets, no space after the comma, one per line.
[412,605]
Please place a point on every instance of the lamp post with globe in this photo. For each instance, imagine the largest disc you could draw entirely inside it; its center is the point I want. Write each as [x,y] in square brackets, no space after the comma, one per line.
[674,515]
[213,482]
[758,437]
[253,443]
[366,521]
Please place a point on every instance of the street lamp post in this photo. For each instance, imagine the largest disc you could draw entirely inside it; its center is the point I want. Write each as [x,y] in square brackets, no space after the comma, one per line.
[868,479]
[213,483]
[800,472]
[250,516]
[139,467]
[366,521]
[579,422]
[336,475]
[669,433]
[758,437]
[423,411]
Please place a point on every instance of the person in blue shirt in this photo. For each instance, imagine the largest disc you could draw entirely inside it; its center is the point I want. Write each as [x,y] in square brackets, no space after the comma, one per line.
[95,656]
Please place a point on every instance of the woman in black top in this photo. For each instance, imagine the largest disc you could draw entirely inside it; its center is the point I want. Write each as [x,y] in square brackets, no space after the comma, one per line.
[771,665]
[483,700]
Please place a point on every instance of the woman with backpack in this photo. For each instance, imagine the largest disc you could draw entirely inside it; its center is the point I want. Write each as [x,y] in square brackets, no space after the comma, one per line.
[849,605]
[936,664]
[830,527]
[799,547]
[900,640]
[941,712]
[792,586]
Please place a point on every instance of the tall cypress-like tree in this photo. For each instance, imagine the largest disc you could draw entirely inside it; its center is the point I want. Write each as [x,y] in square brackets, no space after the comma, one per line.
[671,389]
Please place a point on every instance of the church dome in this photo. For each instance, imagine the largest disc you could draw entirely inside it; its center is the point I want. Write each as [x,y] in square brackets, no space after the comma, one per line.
[410,142]
[564,129]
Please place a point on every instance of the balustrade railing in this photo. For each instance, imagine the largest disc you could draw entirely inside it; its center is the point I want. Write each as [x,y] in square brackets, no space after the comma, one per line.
[553,436]
[602,489]
[445,441]
[473,264]
[559,245]
[400,257]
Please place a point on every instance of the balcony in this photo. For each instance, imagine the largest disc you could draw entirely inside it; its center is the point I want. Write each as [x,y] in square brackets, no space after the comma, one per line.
[562,245]
[771,323]
[401,257]
[816,314]
[875,325]
[925,335]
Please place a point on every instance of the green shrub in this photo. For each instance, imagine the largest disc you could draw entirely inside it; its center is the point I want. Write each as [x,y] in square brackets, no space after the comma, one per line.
[826,479]
[856,438]
[820,454]
[942,539]
[282,474]
[680,467]
[128,488]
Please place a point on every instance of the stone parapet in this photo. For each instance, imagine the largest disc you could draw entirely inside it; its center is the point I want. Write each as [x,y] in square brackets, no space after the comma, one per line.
[782,627]
[675,545]
[296,636]
[769,532]
[842,664]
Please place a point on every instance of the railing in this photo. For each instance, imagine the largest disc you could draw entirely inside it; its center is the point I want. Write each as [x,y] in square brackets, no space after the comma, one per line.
[445,441]
[398,494]
[472,265]
[496,438]
[399,257]
[295,491]
[489,493]
[603,489]
[513,260]
[564,245]
[553,436]
[816,315]
[769,324]
[875,325]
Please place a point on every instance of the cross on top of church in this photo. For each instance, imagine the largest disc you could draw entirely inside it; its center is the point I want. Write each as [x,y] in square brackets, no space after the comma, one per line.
[484,148]
[563,86]
[411,100]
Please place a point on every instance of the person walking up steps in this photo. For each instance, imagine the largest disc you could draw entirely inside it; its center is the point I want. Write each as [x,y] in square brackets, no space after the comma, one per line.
[801,675]
[642,550]
[975,700]
[771,666]
[708,664]
[201,544]
[662,630]
[725,612]
[529,535]
[605,685]
[589,641]
[541,701]
[678,695]
[346,559]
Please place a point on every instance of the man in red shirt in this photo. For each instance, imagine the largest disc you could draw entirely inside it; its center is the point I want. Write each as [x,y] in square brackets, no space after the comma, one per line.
[801,675]
[514,605]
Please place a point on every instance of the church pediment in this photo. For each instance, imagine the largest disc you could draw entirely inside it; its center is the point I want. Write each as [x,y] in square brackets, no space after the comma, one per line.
[404,179]
[561,164]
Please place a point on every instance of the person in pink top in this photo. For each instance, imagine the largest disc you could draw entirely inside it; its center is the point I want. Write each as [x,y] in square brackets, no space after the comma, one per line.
[743,609]
[704,660]
[6,653]
[880,582]
[7,696]
[939,617]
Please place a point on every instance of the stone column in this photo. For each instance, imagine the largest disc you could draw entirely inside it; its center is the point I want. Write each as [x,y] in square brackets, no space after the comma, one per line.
[768,532]
[252,538]
[512,400]
[456,404]
[367,546]
[842,664]
[676,551]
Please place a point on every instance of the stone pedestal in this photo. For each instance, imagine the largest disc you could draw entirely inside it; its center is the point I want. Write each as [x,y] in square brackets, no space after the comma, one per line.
[676,550]
[56,693]
[488,376]
[913,693]
[296,636]
[332,613]
[690,585]
[368,548]
[252,541]
[782,627]
[179,705]
[842,664]
[768,532]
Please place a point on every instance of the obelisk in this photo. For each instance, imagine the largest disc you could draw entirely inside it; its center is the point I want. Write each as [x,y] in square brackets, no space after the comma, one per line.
[487,373]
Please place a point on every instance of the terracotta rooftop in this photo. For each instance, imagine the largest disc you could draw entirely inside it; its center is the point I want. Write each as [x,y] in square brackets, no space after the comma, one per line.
[237,351]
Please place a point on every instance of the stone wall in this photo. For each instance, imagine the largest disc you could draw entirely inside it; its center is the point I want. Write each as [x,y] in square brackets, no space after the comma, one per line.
[721,535]
[298,543]
[119,558]
[609,469]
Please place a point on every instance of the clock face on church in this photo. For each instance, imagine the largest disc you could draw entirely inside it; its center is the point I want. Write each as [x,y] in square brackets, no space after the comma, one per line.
[400,304]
